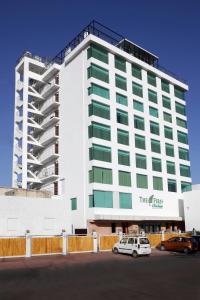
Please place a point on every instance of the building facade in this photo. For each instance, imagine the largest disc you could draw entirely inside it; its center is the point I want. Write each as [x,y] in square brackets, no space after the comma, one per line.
[103,125]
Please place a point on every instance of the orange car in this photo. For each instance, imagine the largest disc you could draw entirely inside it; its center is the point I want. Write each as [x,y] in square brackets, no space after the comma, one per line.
[183,244]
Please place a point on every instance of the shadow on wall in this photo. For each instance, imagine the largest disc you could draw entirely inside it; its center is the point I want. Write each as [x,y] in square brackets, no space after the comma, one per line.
[181,208]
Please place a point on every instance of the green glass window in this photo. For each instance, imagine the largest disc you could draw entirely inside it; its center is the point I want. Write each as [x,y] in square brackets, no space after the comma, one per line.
[102,199]
[181,123]
[123,158]
[154,128]
[165,85]
[120,82]
[139,122]
[73,203]
[121,99]
[166,102]
[153,111]
[183,153]
[122,117]
[151,78]
[142,181]
[100,110]
[182,137]
[180,109]
[100,175]
[179,93]
[125,200]
[156,164]
[122,137]
[100,153]
[155,146]
[185,171]
[136,71]
[169,150]
[172,185]
[98,52]
[141,161]
[98,73]
[120,63]
[140,141]
[157,183]
[168,132]
[99,91]
[186,186]
[167,117]
[137,89]
[138,105]
[99,131]
[124,178]
[171,167]
[152,96]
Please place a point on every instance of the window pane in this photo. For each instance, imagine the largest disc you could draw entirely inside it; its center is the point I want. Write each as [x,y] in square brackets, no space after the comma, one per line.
[100,153]
[166,102]
[137,89]
[98,73]
[182,137]
[99,131]
[141,161]
[151,78]
[103,199]
[167,117]
[99,91]
[186,186]
[165,86]
[140,141]
[120,82]
[98,52]
[125,200]
[169,150]
[100,110]
[136,71]
[179,93]
[180,109]
[185,171]
[122,137]
[157,183]
[139,122]
[156,164]
[142,181]
[122,117]
[100,175]
[73,203]
[152,96]
[168,132]
[172,185]
[153,111]
[155,146]
[123,158]
[183,153]
[154,128]
[120,63]
[181,123]
[121,99]
[138,105]
[171,167]
[124,178]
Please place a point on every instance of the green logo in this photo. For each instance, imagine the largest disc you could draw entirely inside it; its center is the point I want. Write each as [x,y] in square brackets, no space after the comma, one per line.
[152,201]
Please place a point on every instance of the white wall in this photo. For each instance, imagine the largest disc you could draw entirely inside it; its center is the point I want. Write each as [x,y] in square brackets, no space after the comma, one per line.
[192,209]
[42,216]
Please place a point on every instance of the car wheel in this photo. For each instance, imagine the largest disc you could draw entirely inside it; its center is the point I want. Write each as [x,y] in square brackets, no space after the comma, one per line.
[135,254]
[162,248]
[186,250]
[115,251]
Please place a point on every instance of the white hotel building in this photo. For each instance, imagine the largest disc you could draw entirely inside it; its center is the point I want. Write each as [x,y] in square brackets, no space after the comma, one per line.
[104,126]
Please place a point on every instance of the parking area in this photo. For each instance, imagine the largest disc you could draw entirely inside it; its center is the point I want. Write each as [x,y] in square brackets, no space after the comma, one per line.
[163,275]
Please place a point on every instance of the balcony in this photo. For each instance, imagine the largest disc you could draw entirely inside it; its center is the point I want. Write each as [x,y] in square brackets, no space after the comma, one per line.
[50,104]
[49,154]
[19,85]
[18,133]
[49,174]
[52,70]
[49,136]
[19,101]
[50,88]
[18,150]
[50,120]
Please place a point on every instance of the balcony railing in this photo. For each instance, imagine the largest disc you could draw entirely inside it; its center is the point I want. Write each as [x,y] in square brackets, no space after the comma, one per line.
[50,120]
[48,136]
[49,172]
[49,88]
[50,104]
[49,154]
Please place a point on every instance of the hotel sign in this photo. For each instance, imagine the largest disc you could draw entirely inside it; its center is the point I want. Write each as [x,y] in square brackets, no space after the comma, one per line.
[152,201]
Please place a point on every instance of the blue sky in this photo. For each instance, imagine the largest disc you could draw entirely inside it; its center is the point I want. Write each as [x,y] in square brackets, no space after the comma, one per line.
[169,29]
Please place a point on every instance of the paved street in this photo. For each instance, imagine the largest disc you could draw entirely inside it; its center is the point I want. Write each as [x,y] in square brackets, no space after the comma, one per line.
[101,276]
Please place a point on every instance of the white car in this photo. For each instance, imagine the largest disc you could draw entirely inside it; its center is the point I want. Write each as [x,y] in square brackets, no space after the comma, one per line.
[136,246]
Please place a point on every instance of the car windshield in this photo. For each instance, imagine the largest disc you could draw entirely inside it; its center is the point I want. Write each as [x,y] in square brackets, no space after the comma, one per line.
[144,241]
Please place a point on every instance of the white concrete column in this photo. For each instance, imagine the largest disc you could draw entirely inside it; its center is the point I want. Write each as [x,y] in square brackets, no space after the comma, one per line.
[28,244]
[64,243]
[95,242]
